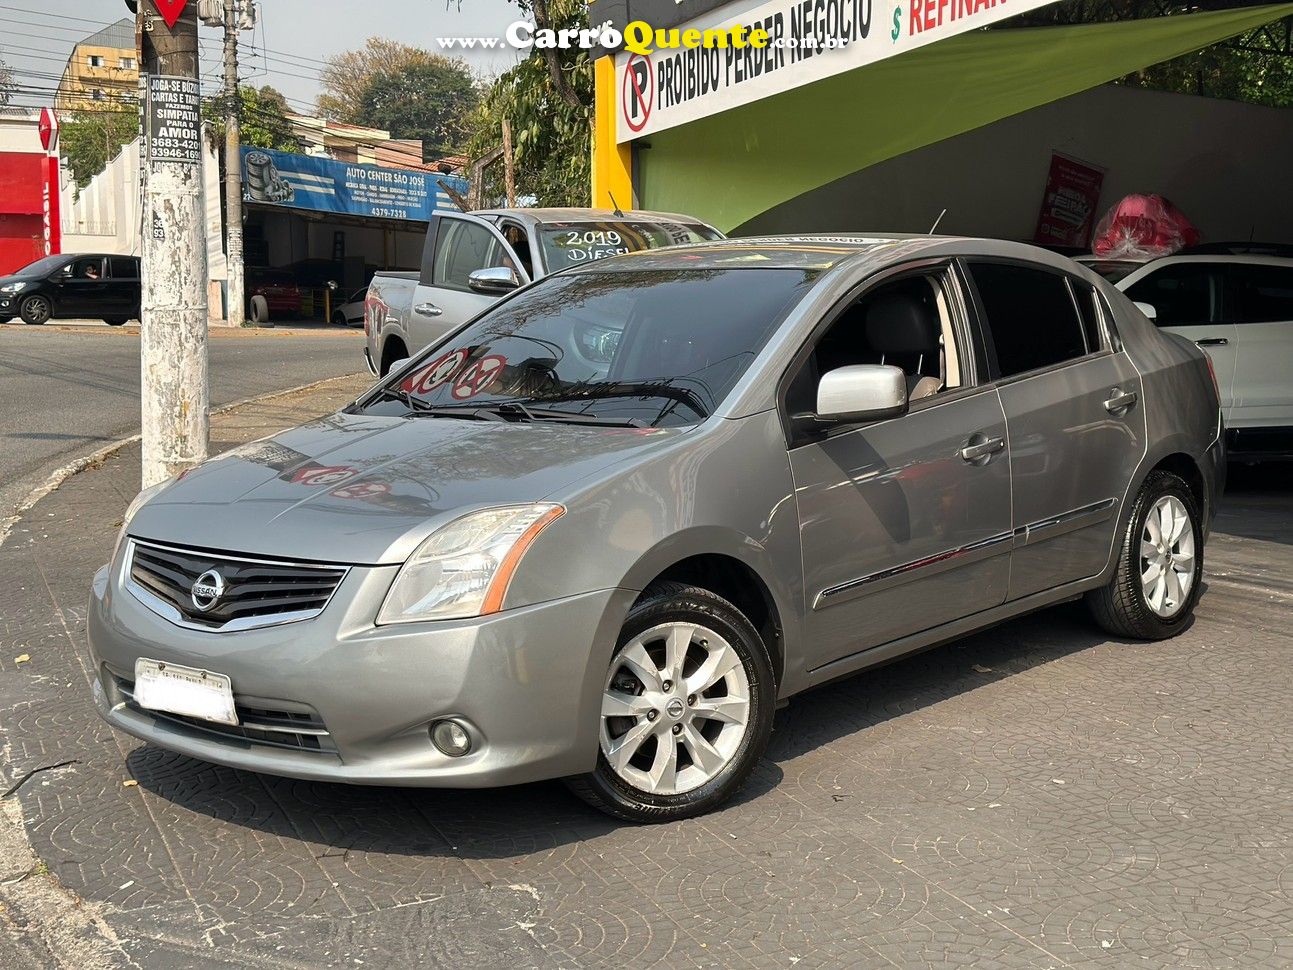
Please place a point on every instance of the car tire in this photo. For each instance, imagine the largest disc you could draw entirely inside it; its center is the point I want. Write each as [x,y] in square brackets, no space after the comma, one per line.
[651,762]
[116,321]
[339,319]
[36,310]
[259,310]
[1160,564]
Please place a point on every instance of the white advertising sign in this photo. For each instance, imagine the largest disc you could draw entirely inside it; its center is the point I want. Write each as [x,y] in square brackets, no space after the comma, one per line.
[671,87]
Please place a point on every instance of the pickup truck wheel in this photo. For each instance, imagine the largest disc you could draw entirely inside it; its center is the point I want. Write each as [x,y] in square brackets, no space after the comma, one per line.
[36,310]
[259,310]
[1160,564]
[686,711]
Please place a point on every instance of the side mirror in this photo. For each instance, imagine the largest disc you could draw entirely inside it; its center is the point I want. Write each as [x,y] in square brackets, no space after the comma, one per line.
[496,279]
[1148,310]
[862,392]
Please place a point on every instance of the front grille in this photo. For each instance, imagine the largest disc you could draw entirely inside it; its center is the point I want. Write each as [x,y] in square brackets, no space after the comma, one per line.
[257,592]
[301,730]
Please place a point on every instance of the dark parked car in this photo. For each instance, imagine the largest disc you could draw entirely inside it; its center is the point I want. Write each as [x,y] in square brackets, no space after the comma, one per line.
[73,288]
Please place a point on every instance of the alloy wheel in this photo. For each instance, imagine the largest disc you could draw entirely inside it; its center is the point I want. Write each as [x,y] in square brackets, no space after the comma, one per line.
[675,709]
[36,310]
[1167,563]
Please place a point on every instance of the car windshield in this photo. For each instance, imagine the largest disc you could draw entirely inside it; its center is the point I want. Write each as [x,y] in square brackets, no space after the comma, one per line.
[568,244]
[649,348]
[42,267]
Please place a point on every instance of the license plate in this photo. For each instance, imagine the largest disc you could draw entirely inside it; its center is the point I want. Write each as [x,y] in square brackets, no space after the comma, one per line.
[184,690]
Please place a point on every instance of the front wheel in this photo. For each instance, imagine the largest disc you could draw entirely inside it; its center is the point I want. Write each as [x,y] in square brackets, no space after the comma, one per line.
[686,710]
[1160,564]
[36,310]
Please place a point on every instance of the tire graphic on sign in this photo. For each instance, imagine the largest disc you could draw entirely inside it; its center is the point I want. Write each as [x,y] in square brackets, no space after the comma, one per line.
[478,377]
[637,96]
[436,373]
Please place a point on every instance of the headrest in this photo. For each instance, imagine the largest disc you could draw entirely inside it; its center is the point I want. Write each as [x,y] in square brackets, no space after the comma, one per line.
[901,324]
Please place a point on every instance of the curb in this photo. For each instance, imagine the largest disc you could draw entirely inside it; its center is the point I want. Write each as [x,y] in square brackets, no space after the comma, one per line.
[96,458]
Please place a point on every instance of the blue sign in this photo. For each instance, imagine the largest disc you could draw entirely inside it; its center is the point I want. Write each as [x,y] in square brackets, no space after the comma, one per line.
[325,185]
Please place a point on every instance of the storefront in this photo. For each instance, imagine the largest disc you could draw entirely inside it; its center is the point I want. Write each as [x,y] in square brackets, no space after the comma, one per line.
[922,111]
[312,221]
[29,189]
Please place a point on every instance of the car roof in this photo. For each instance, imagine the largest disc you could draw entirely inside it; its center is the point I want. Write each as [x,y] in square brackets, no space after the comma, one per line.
[1245,258]
[575,214]
[822,252]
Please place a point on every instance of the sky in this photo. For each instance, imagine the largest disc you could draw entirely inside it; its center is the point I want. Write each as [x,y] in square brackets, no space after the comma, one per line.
[294,36]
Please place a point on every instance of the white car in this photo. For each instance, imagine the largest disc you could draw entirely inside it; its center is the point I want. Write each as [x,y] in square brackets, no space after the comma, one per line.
[349,312]
[1239,308]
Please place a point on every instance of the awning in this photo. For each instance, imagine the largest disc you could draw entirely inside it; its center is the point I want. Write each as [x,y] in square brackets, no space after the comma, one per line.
[728,168]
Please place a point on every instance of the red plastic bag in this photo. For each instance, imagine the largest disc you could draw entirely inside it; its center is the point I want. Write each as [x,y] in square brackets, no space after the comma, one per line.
[1143,227]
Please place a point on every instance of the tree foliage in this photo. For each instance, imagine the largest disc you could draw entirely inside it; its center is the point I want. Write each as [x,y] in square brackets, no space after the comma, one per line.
[548,99]
[347,76]
[431,101]
[263,117]
[89,140]
[1231,70]
[6,84]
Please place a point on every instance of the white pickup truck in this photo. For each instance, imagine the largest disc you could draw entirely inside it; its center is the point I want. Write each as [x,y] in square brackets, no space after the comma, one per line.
[471,260]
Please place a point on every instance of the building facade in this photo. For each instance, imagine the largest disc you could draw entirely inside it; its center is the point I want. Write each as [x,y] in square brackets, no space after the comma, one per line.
[103,71]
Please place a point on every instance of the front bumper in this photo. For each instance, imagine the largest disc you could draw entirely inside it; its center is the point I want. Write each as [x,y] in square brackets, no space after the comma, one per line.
[8,305]
[526,682]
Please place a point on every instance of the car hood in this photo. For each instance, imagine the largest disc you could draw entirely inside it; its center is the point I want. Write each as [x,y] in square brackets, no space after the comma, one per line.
[366,490]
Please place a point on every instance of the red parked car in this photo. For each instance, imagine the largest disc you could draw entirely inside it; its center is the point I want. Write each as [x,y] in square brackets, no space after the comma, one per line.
[272,295]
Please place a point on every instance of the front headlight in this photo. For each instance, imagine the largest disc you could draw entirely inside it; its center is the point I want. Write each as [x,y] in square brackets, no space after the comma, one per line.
[464,568]
[13,288]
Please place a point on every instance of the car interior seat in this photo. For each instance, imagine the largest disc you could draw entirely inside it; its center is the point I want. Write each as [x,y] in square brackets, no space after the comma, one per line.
[906,332]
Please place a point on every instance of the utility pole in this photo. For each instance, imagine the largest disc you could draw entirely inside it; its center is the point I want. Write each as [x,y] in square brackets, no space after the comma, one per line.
[233,166]
[173,345]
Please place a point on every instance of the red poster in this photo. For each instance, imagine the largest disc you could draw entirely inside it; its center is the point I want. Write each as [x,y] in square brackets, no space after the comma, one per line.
[1069,205]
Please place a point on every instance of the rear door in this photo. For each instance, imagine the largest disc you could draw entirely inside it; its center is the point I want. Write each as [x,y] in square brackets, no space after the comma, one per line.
[123,286]
[1261,306]
[444,299]
[1189,298]
[1075,418]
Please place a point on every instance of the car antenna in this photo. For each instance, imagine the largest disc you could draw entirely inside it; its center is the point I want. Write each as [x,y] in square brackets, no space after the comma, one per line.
[619,214]
[936,222]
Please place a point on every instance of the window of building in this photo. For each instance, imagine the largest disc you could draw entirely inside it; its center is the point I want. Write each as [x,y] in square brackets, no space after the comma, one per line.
[96,60]
[127,64]
[1030,316]
[97,94]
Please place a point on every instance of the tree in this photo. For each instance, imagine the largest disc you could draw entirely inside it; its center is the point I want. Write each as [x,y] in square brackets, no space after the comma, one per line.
[548,99]
[347,76]
[264,119]
[89,140]
[430,101]
[6,84]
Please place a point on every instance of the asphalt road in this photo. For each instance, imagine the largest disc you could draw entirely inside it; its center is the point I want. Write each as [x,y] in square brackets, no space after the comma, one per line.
[66,393]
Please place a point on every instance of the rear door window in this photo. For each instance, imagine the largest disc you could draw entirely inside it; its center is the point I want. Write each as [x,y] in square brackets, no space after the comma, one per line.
[1030,316]
[1182,294]
[1262,294]
[124,268]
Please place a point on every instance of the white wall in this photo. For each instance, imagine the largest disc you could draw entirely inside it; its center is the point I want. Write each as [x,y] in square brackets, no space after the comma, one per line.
[20,131]
[1225,164]
[104,217]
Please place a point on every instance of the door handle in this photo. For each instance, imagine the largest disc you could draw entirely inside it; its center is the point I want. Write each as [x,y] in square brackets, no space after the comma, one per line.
[427,310]
[979,448]
[1121,400]
[1211,342]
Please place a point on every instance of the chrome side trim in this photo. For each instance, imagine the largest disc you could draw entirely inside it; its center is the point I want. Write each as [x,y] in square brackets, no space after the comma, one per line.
[1065,522]
[897,575]
[166,611]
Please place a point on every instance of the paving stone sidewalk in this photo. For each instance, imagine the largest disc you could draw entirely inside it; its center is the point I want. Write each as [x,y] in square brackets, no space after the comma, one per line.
[1034,796]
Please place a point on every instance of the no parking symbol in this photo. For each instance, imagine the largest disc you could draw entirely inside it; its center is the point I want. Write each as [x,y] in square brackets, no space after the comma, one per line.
[637,96]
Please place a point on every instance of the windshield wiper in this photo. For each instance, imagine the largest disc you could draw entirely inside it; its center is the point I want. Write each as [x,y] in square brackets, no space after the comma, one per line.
[529,414]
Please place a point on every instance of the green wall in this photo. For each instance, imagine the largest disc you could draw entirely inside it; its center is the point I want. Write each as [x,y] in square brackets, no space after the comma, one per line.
[730,167]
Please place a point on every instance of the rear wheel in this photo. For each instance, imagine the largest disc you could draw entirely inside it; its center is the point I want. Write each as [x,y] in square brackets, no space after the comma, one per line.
[116,321]
[686,710]
[1160,563]
[36,310]
[339,318]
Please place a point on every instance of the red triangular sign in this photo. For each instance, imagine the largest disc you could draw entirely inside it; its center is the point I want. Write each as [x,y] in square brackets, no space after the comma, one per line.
[171,10]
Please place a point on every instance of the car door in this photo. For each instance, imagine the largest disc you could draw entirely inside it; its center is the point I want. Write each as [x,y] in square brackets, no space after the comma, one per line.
[904,523]
[1075,417]
[444,299]
[1188,297]
[123,286]
[83,288]
[1260,298]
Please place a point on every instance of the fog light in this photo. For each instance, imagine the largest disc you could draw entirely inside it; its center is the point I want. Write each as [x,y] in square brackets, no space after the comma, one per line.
[451,738]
